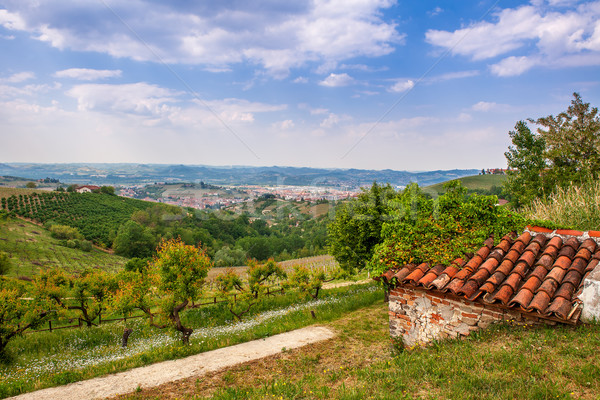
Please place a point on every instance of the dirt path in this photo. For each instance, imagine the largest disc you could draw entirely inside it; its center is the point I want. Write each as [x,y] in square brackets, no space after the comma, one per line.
[168,371]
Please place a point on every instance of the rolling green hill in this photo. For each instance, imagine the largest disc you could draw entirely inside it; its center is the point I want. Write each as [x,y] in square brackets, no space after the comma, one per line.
[476,183]
[32,250]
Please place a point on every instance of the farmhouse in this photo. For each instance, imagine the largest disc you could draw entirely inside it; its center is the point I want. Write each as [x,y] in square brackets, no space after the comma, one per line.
[542,276]
[87,189]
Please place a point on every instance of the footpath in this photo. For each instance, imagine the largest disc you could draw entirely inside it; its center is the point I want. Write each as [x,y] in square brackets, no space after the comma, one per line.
[168,371]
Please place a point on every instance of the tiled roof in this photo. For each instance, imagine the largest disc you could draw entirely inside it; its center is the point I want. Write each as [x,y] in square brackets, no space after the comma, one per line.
[537,274]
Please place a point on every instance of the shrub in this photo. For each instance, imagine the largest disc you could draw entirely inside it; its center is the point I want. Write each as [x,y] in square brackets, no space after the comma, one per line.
[64,232]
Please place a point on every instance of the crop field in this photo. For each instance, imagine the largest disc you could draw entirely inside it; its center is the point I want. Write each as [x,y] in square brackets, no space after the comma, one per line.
[475,182]
[32,249]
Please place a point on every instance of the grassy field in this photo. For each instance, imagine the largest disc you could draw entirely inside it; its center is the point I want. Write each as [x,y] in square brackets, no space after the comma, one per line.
[6,192]
[32,249]
[504,362]
[475,182]
[46,359]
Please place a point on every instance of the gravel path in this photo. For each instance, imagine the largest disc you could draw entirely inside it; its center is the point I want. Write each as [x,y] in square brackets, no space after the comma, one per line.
[168,371]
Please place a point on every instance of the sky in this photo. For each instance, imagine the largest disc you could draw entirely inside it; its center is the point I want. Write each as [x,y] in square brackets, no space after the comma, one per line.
[369,84]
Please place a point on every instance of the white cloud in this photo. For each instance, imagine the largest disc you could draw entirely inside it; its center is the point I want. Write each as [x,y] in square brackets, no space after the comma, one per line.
[18,77]
[214,36]
[464,117]
[337,80]
[333,120]
[436,11]
[486,106]
[319,111]
[86,74]
[284,125]
[402,86]
[549,33]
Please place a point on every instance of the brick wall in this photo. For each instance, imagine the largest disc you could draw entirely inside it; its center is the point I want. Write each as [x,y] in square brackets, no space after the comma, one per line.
[418,316]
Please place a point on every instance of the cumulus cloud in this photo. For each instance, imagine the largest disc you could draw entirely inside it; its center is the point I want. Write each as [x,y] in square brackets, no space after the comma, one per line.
[485,106]
[86,74]
[402,86]
[215,36]
[284,125]
[552,34]
[337,80]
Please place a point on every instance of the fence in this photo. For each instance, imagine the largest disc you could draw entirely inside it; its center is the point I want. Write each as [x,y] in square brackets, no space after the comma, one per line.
[80,322]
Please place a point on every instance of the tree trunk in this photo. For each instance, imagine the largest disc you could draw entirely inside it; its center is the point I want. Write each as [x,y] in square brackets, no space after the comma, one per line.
[126,334]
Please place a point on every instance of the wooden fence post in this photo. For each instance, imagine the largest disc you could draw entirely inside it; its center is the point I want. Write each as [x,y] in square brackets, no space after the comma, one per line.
[50,326]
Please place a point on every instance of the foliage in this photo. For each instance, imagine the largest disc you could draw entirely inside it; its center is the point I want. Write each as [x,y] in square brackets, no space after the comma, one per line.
[30,185]
[421,229]
[261,276]
[565,151]
[227,257]
[308,282]
[356,228]
[17,314]
[237,293]
[64,232]
[575,207]
[527,164]
[5,263]
[180,270]
[134,240]
[137,264]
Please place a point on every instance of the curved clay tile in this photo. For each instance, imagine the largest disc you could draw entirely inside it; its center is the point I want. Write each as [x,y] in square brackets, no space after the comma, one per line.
[555,242]
[468,289]
[506,267]
[563,262]
[521,268]
[541,239]
[474,262]
[584,254]
[528,256]
[480,276]
[567,251]
[431,275]
[459,262]
[524,238]
[556,274]
[496,279]
[579,265]
[455,285]
[388,275]
[532,284]
[549,286]
[439,282]
[539,272]
[513,281]
[565,291]
[503,295]
[546,260]
[589,244]
[417,274]
[403,273]
[497,254]
[522,299]
[539,302]
[592,265]
[504,245]
[573,277]
[463,274]
[560,307]
[490,264]
[512,256]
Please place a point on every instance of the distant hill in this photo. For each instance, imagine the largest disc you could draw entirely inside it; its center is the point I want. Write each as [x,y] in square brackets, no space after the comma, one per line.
[129,174]
[473,183]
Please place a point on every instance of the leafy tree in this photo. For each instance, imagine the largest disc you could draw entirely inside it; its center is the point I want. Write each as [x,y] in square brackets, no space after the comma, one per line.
[261,275]
[573,142]
[526,163]
[16,314]
[110,190]
[238,294]
[227,257]
[309,282]
[5,263]
[137,264]
[134,240]
[31,185]
[64,232]
[356,228]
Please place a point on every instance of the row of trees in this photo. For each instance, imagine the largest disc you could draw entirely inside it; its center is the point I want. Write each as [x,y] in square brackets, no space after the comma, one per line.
[161,288]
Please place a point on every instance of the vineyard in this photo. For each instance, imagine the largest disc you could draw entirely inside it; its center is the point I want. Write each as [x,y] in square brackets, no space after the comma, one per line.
[94,215]
[33,250]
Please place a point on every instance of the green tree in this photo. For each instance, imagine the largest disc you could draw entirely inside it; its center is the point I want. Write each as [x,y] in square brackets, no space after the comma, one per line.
[31,185]
[17,314]
[572,143]
[134,240]
[527,164]
[356,228]
[108,190]
[237,293]
[260,276]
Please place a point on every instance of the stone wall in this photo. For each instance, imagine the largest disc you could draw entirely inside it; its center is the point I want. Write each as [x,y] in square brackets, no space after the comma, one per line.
[419,317]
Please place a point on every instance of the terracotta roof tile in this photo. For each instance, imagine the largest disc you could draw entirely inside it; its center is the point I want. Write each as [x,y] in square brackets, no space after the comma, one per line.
[533,273]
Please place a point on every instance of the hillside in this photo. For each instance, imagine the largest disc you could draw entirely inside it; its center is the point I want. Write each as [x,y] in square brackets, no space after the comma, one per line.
[32,249]
[477,183]
[95,215]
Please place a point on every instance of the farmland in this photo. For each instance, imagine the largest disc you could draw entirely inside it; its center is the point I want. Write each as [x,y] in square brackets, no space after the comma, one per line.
[475,183]
[33,250]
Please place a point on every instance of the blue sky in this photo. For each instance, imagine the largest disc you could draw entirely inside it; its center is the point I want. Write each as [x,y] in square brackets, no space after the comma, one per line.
[375,84]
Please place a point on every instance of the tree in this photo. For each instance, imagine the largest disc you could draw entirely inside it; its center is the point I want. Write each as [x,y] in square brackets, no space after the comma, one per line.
[260,275]
[309,282]
[356,228]
[134,240]
[572,143]
[110,190]
[5,263]
[238,294]
[17,314]
[527,164]
[31,185]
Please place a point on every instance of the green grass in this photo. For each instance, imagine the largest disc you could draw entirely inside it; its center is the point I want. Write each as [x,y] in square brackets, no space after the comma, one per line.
[475,182]
[32,250]
[47,359]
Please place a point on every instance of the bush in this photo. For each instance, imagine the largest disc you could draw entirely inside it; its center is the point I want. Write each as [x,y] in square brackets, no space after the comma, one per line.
[64,232]
[85,245]
[5,263]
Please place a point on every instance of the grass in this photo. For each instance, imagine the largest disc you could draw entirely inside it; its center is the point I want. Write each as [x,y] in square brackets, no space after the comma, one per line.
[32,250]
[45,359]
[9,191]
[576,207]
[475,182]
[504,362]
